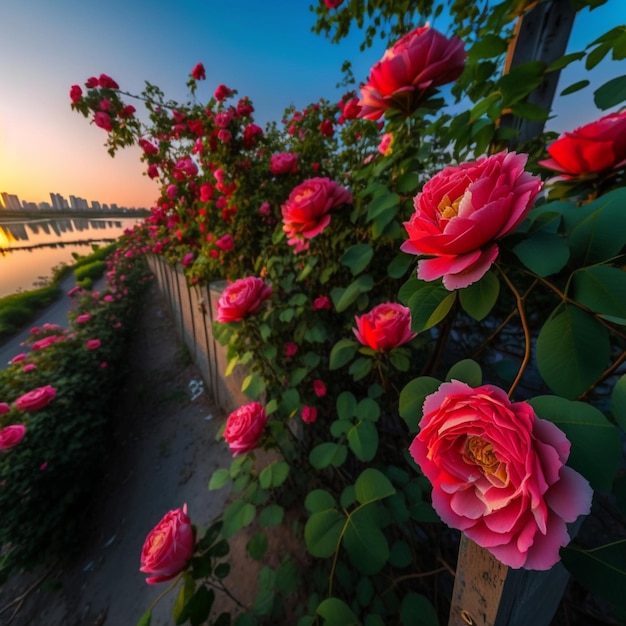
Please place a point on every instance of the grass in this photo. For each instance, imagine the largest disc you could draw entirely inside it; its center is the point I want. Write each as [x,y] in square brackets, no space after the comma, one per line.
[20,309]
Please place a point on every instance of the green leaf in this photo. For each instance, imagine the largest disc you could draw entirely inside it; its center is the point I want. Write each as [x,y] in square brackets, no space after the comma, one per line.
[400,359]
[467,371]
[363,440]
[337,613]
[596,449]
[367,410]
[543,253]
[618,402]
[236,516]
[319,500]
[564,61]
[219,478]
[601,289]
[364,591]
[146,618]
[429,304]
[297,376]
[408,182]
[372,485]
[199,606]
[342,352]
[253,386]
[412,399]
[611,93]
[479,298]
[360,368]
[219,549]
[382,203]
[328,453]
[572,351]
[271,515]
[520,81]
[357,257]
[257,546]
[400,554]
[346,405]
[487,47]
[482,106]
[573,88]
[417,610]
[290,401]
[274,475]
[602,570]
[365,543]
[322,532]
[400,265]
[344,298]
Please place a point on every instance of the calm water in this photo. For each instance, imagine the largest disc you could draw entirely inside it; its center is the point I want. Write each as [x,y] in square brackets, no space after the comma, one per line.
[29,249]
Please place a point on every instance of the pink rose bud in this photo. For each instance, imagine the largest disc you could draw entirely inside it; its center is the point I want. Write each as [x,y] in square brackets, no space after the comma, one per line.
[244,428]
[11,435]
[309,414]
[385,327]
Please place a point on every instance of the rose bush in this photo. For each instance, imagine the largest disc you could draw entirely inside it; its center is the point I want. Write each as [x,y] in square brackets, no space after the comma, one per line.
[11,435]
[385,327]
[168,547]
[244,427]
[590,150]
[241,298]
[409,71]
[462,212]
[498,473]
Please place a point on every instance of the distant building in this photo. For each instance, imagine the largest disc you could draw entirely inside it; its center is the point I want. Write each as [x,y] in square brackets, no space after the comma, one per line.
[95,205]
[78,204]
[44,206]
[58,201]
[11,201]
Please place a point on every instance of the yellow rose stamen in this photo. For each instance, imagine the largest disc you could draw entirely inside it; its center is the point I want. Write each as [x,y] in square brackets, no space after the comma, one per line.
[448,208]
[481,453]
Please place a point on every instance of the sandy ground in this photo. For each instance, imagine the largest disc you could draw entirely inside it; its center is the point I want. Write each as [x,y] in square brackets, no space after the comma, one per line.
[163,456]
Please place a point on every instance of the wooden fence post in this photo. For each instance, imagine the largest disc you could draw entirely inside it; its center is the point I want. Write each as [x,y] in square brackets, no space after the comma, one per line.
[541,34]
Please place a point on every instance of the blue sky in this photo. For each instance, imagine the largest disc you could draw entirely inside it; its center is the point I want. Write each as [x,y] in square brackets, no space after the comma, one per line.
[264,50]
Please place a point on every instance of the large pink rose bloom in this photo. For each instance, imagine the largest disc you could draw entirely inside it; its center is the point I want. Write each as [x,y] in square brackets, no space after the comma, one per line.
[242,298]
[168,547]
[417,63]
[385,327]
[36,399]
[11,435]
[498,473]
[462,212]
[306,213]
[244,427]
[591,149]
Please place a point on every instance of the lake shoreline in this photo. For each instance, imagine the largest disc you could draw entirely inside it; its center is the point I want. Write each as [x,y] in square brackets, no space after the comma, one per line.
[7,215]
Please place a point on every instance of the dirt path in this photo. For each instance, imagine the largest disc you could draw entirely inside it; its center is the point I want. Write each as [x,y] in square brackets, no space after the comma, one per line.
[164,454]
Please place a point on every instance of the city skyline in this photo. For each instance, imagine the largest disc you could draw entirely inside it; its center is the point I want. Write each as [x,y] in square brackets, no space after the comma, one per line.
[11,202]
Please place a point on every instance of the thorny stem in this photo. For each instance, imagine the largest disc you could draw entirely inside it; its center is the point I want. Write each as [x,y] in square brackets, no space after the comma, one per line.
[522,316]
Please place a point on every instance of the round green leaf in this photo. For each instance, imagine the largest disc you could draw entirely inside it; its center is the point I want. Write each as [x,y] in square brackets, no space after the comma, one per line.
[479,298]
[412,399]
[596,448]
[337,613]
[319,500]
[365,543]
[342,352]
[400,265]
[357,257]
[236,516]
[372,485]
[257,546]
[328,453]
[271,515]
[601,289]
[572,351]
[417,610]
[322,532]
[467,371]
[346,405]
[367,410]
[363,440]
[274,474]
[543,253]
[219,478]
[611,93]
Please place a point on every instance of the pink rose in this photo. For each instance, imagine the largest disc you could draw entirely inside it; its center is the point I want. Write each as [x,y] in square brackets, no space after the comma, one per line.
[244,427]
[18,358]
[499,474]
[327,129]
[284,163]
[36,399]
[591,149]
[306,213]
[225,242]
[322,303]
[76,93]
[384,147]
[291,349]
[4,408]
[91,83]
[222,92]
[385,327]
[417,63]
[309,414]
[188,259]
[242,298]
[147,146]
[172,191]
[198,72]
[74,290]
[85,317]
[103,120]
[93,344]
[319,388]
[206,192]
[332,4]
[462,212]
[11,435]
[251,135]
[29,367]
[168,547]
[107,82]
[264,209]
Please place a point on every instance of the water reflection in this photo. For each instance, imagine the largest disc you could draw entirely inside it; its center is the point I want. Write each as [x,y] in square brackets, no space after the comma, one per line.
[28,234]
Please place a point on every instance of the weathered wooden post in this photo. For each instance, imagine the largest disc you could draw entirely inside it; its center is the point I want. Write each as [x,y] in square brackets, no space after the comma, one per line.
[541,34]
